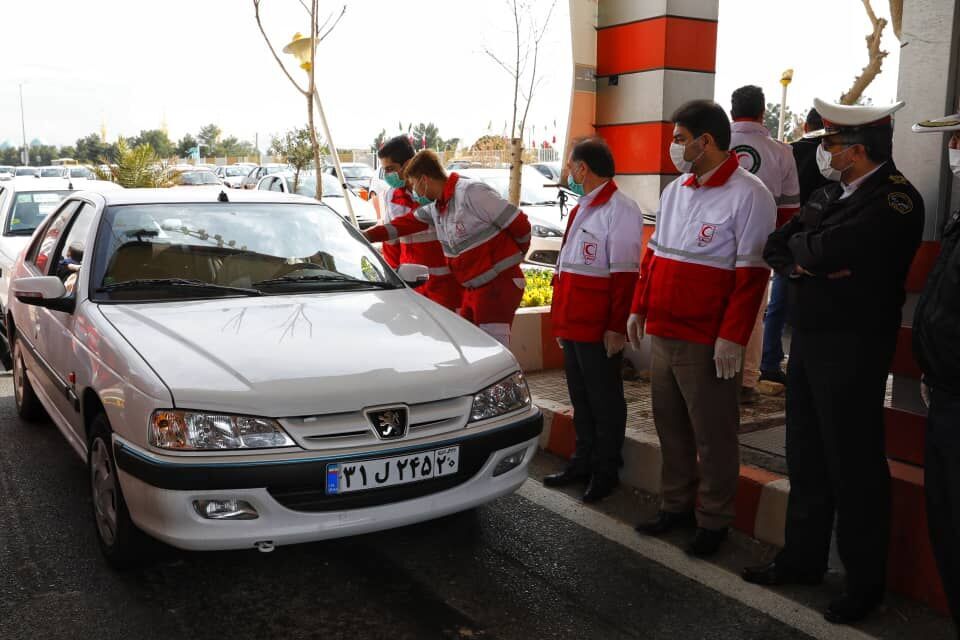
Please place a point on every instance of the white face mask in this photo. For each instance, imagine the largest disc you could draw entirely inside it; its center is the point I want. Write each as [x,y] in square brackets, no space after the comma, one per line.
[954,156]
[677,152]
[824,160]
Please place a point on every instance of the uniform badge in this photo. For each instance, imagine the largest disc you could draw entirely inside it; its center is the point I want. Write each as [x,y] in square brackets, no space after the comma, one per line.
[900,202]
[589,251]
[898,179]
[748,157]
[461,230]
[705,236]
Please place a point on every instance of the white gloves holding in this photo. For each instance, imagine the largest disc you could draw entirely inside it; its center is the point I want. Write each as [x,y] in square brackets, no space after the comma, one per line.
[728,357]
[635,328]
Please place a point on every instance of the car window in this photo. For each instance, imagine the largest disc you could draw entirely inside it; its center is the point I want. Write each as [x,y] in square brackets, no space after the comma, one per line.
[80,172]
[307,246]
[71,249]
[45,245]
[30,209]
[308,185]
[264,185]
[357,172]
[276,184]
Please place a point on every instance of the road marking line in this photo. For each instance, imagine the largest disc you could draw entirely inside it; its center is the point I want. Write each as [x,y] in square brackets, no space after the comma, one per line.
[773,604]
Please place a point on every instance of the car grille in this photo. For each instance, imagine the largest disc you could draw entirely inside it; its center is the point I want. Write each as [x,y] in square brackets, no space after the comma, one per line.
[544,257]
[352,430]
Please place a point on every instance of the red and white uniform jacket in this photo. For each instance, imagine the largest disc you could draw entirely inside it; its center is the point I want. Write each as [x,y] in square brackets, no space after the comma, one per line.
[417,248]
[770,160]
[481,234]
[703,274]
[597,269]
[394,206]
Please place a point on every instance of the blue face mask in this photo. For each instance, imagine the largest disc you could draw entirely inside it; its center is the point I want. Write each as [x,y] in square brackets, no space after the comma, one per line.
[421,200]
[576,187]
[393,179]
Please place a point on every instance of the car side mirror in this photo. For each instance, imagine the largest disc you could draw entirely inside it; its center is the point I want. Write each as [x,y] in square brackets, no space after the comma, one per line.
[43,291]
[414,275]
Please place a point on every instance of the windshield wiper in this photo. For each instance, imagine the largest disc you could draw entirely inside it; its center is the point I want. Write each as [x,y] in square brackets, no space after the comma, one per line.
[148,283]
[20,232]
[547,202]
[326,278]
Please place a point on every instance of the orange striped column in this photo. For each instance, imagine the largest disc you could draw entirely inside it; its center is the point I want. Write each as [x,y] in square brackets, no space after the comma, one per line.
[651,57]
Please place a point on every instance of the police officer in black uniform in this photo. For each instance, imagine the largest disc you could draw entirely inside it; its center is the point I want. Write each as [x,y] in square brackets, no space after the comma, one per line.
[936,344]
[847,254]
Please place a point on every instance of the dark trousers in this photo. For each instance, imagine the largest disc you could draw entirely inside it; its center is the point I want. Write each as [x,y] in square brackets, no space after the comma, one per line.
[595,384]
[836,457]
[773,321]
[942,481]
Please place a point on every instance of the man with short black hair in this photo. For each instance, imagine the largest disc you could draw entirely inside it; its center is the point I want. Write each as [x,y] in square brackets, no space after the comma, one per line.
[771,161]
[699,290]
[847,254]
[596,275]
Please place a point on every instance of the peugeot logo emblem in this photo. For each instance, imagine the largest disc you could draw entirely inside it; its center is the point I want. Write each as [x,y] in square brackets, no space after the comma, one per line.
[389,424]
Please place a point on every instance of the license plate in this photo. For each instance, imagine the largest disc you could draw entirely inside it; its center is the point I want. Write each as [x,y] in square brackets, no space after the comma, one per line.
[346,477]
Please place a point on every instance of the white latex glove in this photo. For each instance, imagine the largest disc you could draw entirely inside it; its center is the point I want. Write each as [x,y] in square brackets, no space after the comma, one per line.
[925,394]
[560,342]
[728,357]
[613,342]
[635,328]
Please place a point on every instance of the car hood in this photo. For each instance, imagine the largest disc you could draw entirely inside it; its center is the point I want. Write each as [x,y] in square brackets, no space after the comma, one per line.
[297,355]
[361,208]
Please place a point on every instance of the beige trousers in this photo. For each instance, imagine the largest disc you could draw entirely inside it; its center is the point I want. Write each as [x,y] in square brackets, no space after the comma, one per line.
[697,417]
[754,351]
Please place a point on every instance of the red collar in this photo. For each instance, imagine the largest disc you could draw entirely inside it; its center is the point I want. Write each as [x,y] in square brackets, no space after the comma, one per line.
[448,190]
[719,177]
[402,197]
[605,194]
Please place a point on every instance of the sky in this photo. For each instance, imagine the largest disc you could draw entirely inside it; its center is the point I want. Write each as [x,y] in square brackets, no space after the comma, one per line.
[137,65]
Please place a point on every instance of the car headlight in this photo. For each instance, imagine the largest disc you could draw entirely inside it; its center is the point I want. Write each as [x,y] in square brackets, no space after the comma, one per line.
[546,232]
[510,394]
[196,431]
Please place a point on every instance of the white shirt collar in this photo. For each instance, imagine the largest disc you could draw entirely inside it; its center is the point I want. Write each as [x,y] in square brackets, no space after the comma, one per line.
[849,189]
[588,198]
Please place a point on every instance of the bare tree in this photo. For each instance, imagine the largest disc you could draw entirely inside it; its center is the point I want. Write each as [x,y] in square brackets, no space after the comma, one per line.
[876,56]
[522,69]
[316,28]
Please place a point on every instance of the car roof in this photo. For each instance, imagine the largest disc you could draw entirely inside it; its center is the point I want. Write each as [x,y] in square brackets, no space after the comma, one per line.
[199,195]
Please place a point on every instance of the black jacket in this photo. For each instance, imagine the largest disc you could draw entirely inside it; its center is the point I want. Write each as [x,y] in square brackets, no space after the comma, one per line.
[808,173]
[936,322]
[874,234]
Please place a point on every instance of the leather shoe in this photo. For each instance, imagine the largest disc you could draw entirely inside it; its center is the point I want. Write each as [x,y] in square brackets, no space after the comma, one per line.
[566,477]
[853,607]
[706,542]
[601,485]
[775,573]
[667,521]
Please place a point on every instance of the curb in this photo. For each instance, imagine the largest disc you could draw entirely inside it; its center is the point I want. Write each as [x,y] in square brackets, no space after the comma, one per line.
[761,503]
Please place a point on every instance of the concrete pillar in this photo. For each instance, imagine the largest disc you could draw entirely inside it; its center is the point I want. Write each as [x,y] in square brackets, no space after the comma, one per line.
[928,81]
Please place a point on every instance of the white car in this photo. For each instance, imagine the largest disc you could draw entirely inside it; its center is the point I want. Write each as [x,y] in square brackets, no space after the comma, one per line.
[59,171]
[233,175]
[240,370]
[546,207]
[332,194]
[356,174]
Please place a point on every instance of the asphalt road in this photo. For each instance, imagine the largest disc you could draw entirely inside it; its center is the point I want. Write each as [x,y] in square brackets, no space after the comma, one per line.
[511,569]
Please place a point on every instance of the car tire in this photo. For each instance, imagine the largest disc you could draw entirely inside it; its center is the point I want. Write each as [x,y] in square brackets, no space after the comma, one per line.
[28,405]
[120,541]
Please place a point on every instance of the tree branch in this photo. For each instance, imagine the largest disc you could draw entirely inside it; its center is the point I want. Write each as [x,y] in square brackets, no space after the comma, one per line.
[876,57]
[333,26]
[499,62]
[256,13]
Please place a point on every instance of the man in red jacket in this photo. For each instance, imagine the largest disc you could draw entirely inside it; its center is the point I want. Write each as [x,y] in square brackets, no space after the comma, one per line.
[699,291]
[484,239]
[596,275]
[417,248]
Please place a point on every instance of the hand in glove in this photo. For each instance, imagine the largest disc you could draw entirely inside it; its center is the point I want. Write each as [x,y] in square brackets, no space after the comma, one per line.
[727,356]
[635,328]
[613,342]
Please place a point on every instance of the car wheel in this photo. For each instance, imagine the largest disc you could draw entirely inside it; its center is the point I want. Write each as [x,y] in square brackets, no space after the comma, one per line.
[120,540]
[28,405]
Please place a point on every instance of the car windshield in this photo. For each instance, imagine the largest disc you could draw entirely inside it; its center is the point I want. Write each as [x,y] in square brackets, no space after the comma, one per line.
[51,172]
[26,171]
[357,172]
[170,251]
[307,186]
[30,209]
[193,178]
[271,170]
[231,172]
[80,172]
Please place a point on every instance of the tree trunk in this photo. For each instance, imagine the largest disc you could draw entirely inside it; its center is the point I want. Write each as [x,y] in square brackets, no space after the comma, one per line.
[516,169]
[315,143]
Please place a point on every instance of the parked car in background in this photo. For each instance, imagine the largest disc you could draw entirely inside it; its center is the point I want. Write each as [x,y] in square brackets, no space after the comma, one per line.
[55,172]
[546,207]
[197,178]
[233,175]
[258,172]
[332,194]
[27,171]
[457,165]
[151,365]
[81,172]
[7,172]
[550,170]
[356,174]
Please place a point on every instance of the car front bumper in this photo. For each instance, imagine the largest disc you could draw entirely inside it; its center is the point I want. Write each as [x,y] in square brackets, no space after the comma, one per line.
[289,495]
[544,251]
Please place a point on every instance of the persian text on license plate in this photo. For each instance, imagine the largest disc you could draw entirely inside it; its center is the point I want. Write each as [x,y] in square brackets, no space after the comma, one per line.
[345,477]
